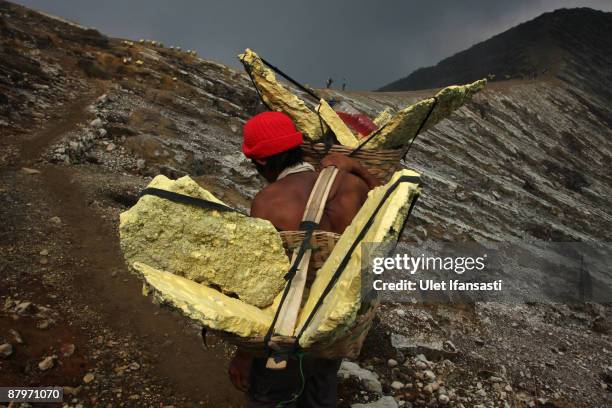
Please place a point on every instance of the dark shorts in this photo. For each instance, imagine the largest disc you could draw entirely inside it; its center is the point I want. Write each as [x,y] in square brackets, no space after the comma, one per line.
[269,387]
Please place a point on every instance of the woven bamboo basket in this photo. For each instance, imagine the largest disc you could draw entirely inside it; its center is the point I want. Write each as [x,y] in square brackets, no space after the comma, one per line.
[321,243]
[381,163]
[347,345]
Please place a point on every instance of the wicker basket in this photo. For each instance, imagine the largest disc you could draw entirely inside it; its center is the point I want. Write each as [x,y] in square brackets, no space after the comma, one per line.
[321,242]
[381,163]
[347,345]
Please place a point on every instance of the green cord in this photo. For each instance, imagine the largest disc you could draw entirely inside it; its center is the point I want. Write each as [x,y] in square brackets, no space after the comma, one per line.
[300,355]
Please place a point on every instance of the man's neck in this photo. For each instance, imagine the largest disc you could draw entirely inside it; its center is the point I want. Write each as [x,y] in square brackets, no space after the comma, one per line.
[296,168]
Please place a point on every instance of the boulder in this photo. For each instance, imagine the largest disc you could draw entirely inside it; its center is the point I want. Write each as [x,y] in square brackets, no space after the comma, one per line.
[384,402]
[368,378]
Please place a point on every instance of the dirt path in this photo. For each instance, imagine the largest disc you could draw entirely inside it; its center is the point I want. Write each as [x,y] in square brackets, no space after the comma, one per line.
[104,284]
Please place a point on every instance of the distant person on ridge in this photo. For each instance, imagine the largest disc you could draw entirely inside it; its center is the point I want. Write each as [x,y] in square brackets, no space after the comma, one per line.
[329,82]
[344,84]
[272,143]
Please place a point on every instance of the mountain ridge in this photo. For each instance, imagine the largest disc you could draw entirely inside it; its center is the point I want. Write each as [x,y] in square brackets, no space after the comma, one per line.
[536,48]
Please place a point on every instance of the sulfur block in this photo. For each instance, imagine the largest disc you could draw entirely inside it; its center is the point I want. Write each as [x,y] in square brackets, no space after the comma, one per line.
[336,124]
[278,98]
[342,304]
[402,127]
[240,255]
[383,117]
[203,304]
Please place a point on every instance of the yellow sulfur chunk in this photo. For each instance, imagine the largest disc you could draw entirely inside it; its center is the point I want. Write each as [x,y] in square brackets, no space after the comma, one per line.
[205,305]
[330,117]
[402,127]
[278,98]
[238,254]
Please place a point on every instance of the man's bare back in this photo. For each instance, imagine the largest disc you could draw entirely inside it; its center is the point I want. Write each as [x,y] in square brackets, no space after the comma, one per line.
[284,201]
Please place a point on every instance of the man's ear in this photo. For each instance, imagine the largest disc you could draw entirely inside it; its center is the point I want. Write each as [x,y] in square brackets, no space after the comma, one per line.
[260,161]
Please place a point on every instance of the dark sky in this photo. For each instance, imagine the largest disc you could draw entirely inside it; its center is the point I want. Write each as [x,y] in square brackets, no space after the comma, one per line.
[370,43]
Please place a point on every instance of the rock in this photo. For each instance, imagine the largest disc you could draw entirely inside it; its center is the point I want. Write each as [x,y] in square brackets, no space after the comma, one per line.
[73,391]
[96,123]
[47,363]
[24,308]
[421,365]
[110,147]
[67,349]
[422,358]
[102,132]
[384,402]
[56,220]
[367,378]
[449,346]
[421,343]
[16,336]
[44,252]
[6,349]
[429,375]
[443,399]
[43,324]
[134,366]
[30,171]
[602,324]
[140,164]
[87,378]
[392,363]
[396,385]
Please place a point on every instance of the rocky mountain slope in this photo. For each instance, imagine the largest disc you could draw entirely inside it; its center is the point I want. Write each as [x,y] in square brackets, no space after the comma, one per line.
[86,120]
[574,42]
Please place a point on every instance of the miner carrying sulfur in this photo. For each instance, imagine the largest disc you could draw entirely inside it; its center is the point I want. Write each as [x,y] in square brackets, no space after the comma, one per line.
[272,143]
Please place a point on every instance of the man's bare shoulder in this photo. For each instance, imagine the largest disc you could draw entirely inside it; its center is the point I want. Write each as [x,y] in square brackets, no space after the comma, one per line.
[350,183]
[259,203]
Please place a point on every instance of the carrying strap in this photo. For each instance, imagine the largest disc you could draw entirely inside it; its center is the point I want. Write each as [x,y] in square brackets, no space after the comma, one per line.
[185,199]
[358,239]
[309,92]
[287,311]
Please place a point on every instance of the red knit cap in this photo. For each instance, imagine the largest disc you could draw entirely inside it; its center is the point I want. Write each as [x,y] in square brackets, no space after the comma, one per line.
[269,133]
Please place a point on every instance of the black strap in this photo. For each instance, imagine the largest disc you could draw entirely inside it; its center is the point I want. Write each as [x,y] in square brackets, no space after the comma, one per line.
[310,92]
[203,333]
[308,225]
[358,148]
[433,105]
[358,239]
[412,204]
[185,199]
[377,131]
[247,68]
